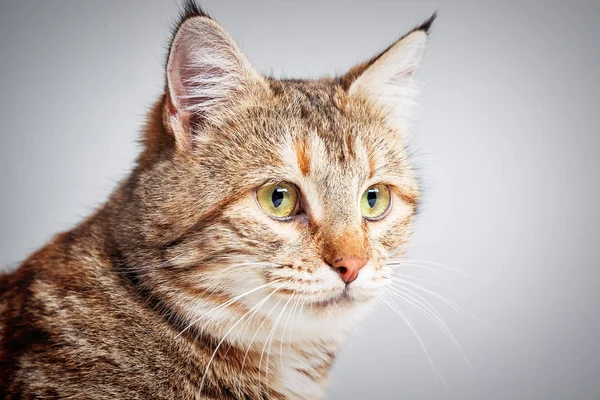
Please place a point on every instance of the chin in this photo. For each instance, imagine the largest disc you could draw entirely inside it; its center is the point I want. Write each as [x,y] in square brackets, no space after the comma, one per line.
[345,308]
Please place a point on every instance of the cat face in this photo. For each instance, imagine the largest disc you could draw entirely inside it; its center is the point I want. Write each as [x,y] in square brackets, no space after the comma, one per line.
[276,194]
[312,152]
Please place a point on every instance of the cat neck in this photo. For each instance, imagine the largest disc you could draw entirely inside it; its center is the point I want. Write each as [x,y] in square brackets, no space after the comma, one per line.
[268,368]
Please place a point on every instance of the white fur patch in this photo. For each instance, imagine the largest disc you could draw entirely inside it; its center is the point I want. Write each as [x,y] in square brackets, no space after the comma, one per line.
[389,80]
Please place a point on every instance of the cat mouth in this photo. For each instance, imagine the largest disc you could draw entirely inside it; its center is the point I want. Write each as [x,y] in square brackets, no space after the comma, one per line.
[341,300]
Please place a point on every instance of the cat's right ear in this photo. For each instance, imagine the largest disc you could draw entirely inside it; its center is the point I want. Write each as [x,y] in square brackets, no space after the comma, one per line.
[207,75]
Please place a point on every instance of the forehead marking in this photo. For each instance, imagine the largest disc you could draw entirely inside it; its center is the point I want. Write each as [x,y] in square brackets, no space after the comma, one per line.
[372,164]
[302,156]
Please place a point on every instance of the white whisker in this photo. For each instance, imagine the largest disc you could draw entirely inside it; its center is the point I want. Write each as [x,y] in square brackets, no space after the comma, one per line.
[225,337]
[431,314]
[270,341]
[298,314]
[448,302]
[425,267]
[252,341]
[412,260]
[392,306]
[427,281]
[284,328]
[227,303]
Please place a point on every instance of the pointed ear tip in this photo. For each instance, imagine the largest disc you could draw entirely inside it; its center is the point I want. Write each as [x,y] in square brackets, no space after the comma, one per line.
[191,25]
[426,26]
[191,9]
[420,34]
[198,21]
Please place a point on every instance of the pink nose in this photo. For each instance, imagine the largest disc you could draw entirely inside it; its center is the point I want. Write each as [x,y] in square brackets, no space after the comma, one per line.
[348,267]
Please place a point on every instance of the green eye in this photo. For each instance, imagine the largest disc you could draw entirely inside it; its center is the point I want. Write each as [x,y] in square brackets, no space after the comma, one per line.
[280,200]
[375,201]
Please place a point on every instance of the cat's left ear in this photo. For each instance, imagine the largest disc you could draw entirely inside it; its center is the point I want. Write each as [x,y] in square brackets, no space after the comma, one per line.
[388,78]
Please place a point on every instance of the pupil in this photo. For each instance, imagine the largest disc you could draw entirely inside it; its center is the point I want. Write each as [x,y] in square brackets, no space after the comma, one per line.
[372,197]
[277,196]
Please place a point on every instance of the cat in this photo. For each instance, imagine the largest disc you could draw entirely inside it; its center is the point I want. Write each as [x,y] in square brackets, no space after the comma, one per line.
[251,235]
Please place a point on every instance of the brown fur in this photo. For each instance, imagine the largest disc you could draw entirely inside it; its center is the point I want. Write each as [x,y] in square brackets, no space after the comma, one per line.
[106,310]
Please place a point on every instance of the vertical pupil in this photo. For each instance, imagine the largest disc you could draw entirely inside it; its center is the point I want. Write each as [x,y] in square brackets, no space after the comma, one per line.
[372,197]
[277,196]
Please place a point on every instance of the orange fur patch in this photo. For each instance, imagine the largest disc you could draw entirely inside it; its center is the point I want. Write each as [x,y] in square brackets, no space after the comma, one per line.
[302,155]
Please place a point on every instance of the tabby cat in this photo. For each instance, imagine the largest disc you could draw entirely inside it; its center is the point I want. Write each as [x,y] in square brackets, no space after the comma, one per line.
[251,235]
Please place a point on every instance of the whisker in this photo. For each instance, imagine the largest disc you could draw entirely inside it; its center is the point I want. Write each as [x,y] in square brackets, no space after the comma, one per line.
[448,302]
[298,314]
[413,260]
[227,303]
[431,315]
[427,281]
[425,267]
[248,320]
[225,337]
[252,341]
[393,307]
[397,287]
[284,328]
[270,341]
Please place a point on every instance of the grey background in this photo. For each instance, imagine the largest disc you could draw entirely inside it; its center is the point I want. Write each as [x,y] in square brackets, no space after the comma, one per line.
[508,142]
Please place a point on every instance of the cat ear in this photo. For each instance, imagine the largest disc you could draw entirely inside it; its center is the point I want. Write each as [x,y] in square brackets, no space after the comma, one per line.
[206,75]
[388,78]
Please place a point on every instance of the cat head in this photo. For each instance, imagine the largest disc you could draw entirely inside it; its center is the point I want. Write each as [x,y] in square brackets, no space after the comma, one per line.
[255,194]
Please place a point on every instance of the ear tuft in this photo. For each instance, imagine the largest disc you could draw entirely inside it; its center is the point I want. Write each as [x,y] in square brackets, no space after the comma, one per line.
[426,26]
[189,10]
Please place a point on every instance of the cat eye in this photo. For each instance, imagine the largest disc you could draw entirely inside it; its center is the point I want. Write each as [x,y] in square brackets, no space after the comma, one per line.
[375,202]
[279,200]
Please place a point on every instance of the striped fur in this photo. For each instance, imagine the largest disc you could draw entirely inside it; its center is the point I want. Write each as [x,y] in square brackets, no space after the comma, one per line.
[180,286]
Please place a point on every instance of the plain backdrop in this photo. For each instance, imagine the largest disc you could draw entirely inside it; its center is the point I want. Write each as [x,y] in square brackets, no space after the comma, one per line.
[508,144]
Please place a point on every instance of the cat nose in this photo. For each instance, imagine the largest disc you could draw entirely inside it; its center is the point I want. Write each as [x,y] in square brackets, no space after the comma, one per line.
[348,267]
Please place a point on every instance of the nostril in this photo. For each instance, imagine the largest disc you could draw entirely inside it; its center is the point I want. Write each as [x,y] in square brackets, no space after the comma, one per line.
[348,267]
